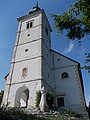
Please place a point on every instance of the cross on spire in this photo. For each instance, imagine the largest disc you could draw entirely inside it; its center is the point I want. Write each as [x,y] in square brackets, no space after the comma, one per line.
[36,7]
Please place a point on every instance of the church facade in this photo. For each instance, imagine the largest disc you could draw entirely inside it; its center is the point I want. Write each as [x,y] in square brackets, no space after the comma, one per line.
[34,65]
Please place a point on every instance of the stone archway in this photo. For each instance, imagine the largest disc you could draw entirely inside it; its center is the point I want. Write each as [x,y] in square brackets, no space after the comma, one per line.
[21,97]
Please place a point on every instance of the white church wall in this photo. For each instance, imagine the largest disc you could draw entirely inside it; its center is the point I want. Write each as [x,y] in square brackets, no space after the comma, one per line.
[68,87]
[46,38]
[36,19]
[61,61]
[34,88]
[22,32]
[46,71]
[5,96]
[46,54]
[28,51]
[31,86]
[30,35]
[33,70]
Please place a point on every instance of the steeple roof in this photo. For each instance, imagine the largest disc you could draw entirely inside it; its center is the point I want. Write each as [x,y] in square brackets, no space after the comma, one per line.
[34,9]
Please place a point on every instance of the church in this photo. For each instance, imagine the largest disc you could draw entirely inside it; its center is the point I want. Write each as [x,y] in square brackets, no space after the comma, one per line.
[35,65]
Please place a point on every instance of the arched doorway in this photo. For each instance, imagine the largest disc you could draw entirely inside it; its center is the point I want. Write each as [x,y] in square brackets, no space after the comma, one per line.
[21,97]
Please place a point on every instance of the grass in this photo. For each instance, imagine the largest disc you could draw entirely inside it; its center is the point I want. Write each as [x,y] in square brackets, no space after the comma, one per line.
[18,114]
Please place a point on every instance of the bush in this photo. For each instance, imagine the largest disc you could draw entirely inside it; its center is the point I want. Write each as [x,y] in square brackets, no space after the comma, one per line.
[50,99]
[38,98]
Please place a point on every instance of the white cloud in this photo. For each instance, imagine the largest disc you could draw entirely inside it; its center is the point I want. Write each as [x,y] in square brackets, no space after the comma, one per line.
[69,49]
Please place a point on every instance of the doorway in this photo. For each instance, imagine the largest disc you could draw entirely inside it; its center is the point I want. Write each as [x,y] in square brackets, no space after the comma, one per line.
[21,97]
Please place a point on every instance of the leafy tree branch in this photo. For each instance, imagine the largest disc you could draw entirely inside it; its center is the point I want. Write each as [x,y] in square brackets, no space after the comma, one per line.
[76,23]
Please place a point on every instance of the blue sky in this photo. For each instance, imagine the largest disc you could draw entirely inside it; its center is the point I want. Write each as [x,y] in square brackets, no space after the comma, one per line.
[10,10]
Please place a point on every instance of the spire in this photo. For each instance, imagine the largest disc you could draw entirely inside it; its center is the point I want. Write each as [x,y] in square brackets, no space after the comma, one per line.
[36,8]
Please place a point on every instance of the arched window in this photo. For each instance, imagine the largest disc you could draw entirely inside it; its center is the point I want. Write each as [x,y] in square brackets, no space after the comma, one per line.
[65,75]
[24,72]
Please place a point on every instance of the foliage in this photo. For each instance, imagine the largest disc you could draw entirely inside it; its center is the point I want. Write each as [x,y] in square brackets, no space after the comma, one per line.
[87,61]
[76,21]
[1,96]
[73,114]
[38,98]
[49,97]
[16,114]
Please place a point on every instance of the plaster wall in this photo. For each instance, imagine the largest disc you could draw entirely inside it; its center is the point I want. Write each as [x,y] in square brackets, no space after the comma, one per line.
[46,54]
[30,34]
[33,87]
[34,50]
[62,61]
[68,87]
[33,70]
[35,18]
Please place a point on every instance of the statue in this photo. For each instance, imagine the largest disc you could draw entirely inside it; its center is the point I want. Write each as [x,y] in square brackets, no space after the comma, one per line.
[43,103]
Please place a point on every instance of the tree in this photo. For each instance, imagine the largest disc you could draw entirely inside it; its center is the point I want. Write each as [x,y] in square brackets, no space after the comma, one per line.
[1,96]
[76,23]
[87,67]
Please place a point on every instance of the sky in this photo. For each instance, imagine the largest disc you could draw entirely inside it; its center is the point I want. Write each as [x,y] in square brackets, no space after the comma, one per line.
[10,10]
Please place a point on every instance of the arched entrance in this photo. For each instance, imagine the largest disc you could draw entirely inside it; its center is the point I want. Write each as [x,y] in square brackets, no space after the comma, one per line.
[21,97]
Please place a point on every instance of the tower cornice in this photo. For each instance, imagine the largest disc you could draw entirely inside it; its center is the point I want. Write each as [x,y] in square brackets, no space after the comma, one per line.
[33,13]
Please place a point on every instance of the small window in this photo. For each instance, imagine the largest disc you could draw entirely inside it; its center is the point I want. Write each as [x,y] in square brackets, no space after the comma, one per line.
[58,59]
[46,31]
[65,75]
[26,50]
[31,24]
[27,25]
[28,34]
[24,72]
[60,102]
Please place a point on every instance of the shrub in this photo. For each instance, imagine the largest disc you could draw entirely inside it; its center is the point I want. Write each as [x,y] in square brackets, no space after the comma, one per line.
[50,99]
[38,98]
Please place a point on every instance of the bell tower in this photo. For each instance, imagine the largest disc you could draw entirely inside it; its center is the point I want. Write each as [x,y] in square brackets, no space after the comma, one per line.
[31,63]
